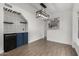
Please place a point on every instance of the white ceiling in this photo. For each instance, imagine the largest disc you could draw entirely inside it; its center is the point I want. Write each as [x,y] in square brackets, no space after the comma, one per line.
[54,7]
[59,6]
[51,7]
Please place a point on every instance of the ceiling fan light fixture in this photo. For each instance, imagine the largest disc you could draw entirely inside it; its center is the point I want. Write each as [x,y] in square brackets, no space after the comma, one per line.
[42,13]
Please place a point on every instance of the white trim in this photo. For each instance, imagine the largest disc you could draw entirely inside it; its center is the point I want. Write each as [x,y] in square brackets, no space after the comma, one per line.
[1,51]
[60,42]
[76,46]
[34,40]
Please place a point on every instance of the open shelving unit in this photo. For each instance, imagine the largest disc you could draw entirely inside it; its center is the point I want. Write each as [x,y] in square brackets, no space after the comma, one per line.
[8,23]
[23,22]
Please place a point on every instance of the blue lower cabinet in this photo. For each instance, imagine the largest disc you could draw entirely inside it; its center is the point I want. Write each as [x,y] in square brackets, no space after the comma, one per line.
[22,38]
[19,40]
[25,37]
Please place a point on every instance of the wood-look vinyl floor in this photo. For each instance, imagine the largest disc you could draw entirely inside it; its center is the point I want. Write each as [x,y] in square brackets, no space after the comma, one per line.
[42,48]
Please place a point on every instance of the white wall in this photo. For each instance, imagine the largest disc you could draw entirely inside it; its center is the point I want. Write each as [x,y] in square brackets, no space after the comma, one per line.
[35,26]
[16,27]
[64,33]
[75,27]
[1,28]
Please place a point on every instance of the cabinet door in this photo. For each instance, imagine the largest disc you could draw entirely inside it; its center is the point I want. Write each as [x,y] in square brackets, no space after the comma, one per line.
[19,39]
[25,37]
[9,42]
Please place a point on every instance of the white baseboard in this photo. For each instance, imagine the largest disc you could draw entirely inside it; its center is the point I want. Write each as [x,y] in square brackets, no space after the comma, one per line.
[76,48]
[48,40]
[60,42]
[34,40]
[1,51]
